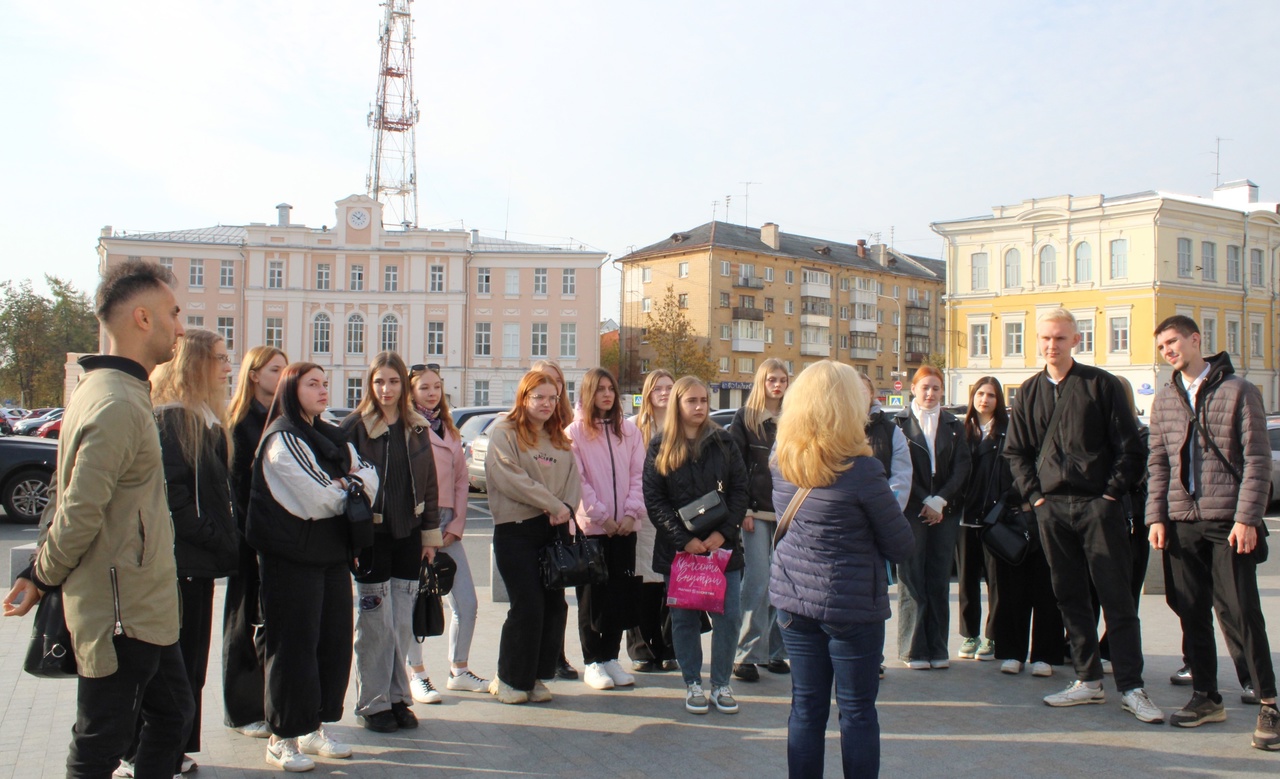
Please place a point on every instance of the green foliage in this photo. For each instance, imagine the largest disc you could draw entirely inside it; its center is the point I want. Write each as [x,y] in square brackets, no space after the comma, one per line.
[937,360]
[675,344]
[36,332]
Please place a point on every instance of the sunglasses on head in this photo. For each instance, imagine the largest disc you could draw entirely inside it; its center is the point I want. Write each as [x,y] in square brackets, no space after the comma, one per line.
[420,367]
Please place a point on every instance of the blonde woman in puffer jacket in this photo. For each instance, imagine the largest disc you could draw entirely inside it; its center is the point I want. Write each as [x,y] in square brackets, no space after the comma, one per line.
[609,450]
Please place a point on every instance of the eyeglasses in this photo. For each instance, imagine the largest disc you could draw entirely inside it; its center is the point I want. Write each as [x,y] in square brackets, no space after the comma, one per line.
[420,367]
[223,358]
[545,398]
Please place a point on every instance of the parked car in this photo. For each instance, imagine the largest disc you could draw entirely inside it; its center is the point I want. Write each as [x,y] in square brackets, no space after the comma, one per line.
[50,429]
[30,425]
[476,447]
[26,469]
[723,416]
[462,414]
[336,415]
[1273,432]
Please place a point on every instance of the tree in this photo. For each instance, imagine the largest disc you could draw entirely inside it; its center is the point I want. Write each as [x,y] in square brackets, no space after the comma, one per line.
[937,360]
[35,335]
[675,344]
[611,355]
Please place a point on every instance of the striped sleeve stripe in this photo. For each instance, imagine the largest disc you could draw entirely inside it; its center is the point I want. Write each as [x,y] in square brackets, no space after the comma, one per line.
[303,455]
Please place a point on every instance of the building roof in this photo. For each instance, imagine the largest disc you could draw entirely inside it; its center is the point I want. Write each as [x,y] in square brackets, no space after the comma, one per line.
[792,246]
[486,243]
[1271,207]
[221,234]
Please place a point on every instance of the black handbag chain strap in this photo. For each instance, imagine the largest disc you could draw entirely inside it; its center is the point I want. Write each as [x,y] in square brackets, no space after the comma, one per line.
[993,477]
[1068,386]
[723,453]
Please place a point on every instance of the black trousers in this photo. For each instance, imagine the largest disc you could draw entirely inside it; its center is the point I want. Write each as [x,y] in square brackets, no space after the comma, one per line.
[309,617]
[650,640]
[1230,631]
[197,632]
[150,682]
[244,646]
[1140,556]
[605,611]
[1024,612]
[1207,573]
[973,564]
[1087,539]
[533,634]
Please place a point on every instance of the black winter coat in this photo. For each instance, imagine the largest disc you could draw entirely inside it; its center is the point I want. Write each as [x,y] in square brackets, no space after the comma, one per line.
[206,535]
[985,487]
[951,450]
[718,466]
[245,436]
[755,453]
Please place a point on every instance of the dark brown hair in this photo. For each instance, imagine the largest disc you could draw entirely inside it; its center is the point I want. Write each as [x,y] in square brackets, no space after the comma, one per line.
[973,425]
[121,283]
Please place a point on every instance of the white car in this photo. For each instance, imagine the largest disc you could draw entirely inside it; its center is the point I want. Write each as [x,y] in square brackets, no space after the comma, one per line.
[1273,432]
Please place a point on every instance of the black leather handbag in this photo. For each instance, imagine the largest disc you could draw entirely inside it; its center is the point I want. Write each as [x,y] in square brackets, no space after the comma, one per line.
[49,655]
[428,611]
[704,514]
[359,516]
[572,561]
[1010,533]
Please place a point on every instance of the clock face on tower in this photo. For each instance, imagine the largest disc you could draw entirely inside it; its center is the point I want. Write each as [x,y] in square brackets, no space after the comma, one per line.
[358,218]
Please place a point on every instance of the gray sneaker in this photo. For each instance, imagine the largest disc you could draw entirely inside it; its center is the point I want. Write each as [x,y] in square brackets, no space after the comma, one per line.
[723,698]
[695,702]
[1199,710]
[1137,703]
[1077,694]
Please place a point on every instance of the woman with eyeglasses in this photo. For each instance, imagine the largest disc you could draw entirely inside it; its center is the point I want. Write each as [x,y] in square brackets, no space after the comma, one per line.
[694,458]
[243,639]
[610,456]
[451,478]
[387,431]
[754,429]
[189,395]
[297,522]
[649,642]
[532,481]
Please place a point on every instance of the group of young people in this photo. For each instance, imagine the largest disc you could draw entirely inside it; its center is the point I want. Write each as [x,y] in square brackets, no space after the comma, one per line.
[163,488]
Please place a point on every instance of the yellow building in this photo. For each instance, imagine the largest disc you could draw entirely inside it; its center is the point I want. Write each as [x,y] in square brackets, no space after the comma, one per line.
[754,293]
[1120,265]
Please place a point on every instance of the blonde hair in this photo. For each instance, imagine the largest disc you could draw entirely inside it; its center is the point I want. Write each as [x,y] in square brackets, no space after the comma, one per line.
[190,380]
[1058,315]
[754,408]
[644,419]
[562,386]
[675,450]
[246,387]
[442,410]
[370,403]
[824,426]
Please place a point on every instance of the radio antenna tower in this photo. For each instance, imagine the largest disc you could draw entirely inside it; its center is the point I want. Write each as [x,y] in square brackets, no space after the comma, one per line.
[393,166]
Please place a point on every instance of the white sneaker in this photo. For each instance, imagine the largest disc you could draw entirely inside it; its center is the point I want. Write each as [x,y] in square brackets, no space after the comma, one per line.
[423,691]
[1041,669]
[917,665]
[284,754]
[1076,694]
[1011,667]
[597,677]
[1137,703]
[940,664]
[254,730]
[618,674]
[124,770]
[317,742]
[466,682]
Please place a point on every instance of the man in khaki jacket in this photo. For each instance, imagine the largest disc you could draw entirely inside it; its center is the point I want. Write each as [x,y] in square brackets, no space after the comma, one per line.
[109,541]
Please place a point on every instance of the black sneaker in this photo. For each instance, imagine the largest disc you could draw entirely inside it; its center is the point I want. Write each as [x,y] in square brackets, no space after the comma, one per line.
[646,667]
[1181,677]
[1247,695]
[382,722]
[778,667]
[671,665]
[566,671]
[746,672]
[1199,710]
[1267,735]
[405,719]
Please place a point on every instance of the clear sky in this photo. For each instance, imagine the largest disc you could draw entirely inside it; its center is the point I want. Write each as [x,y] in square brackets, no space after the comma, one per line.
[617,124]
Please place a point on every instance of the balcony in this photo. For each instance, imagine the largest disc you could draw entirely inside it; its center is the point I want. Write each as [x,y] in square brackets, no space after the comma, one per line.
[921,330]
[915,356]
[862,296]
[810,290]
[748,344]
[921,303]
[815,350]
[749,282]
[751,314]
[862,325]
[862,354]
[815,320]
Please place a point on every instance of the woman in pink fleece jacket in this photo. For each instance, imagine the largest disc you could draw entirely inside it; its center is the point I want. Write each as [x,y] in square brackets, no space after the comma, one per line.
[609,450]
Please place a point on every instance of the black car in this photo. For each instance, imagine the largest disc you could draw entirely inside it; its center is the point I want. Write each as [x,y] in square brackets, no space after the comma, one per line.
[26,469]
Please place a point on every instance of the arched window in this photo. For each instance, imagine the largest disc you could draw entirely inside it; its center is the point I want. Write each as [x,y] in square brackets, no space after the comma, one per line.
[355,334]
[390,339]
[1084,262]
[1013,268]
[320,334]
[1048,265]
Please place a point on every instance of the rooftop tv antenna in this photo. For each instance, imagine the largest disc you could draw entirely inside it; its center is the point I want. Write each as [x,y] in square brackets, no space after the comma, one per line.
[393,166]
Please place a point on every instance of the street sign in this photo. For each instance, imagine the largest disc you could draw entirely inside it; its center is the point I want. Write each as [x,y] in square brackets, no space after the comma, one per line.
[897,385]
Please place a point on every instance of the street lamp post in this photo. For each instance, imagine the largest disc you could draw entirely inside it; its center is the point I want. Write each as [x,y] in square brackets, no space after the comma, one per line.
[902,317]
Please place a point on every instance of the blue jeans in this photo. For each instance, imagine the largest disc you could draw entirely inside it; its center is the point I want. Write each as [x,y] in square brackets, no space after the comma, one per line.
[686,636]
[848,655]
[759,641]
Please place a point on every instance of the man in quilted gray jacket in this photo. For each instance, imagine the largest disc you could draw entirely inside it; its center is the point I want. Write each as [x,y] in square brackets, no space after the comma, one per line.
[1209,475]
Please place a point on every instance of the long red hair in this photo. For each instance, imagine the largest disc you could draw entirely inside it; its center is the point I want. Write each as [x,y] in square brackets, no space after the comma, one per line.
[526,428]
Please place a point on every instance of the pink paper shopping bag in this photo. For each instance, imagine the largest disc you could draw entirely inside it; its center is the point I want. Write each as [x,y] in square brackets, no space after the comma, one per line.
[697,581]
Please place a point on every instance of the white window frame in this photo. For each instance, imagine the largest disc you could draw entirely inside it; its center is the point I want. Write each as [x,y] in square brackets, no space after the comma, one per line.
[569,281]
[538,337]
[540,281]
[227,329]
[435,339]
[391,278]
[569,340]
[227,274]
[324,276]
[355,334]
[356,276]
[511,282]
[322,334]
[484,281]
[435,276]
[274,332]
[511,340]
[482,345]
[275,274]
[195,273]
[389,333]
[682,270]
[979,263]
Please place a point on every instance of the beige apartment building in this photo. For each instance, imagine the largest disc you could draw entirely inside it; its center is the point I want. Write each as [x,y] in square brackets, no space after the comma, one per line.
[754,293]
[1121,264]
[484,308]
